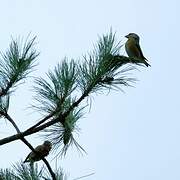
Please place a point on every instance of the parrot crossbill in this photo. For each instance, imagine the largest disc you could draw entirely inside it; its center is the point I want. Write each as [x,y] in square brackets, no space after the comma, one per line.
[133,48]
[42,151]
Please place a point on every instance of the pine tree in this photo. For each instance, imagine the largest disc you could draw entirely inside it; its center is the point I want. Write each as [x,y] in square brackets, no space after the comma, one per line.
[62,96]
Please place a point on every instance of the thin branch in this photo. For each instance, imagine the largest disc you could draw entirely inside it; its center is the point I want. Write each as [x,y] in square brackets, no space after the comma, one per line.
[117,62]
[61,118]
[11,121]
[41,121]
[27,143]
[45,161]
[28,132]
[84,176]
[4,91]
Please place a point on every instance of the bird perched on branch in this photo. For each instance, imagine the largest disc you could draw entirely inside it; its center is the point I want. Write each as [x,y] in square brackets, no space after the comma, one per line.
[41,151]
[133,48]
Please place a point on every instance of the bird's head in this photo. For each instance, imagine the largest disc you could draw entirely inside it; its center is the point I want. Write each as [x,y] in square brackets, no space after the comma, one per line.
[47,144]
[133,35]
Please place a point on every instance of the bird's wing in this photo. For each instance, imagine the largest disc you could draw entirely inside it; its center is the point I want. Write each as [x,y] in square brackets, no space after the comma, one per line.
[42,150]
[141,54]
[29,157]
[26,160]
[140,51]
[39,148]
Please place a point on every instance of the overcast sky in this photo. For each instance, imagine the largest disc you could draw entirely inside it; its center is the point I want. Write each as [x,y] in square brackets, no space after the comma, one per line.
[129,136]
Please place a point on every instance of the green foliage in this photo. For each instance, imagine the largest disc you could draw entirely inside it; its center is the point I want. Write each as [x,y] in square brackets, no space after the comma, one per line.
[22,171]
[4,104]
[52,94]
[61,96]
[103,69]
[16,63]
[61,134]
[60,175]
[7,174]
[27,172]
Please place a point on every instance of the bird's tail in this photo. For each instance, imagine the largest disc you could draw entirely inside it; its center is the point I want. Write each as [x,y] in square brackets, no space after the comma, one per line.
[147,64]
[26,160]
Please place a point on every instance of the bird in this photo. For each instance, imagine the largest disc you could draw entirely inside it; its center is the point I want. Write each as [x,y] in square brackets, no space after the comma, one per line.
[133,48]
[42,151]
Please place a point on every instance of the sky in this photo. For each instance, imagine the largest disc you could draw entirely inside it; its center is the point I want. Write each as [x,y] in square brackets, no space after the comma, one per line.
[131,135]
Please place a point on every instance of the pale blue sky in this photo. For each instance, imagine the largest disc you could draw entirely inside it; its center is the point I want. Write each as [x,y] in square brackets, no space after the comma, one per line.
[132,135]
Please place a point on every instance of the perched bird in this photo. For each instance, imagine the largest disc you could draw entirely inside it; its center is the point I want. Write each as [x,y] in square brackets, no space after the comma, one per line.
[133,48]
[42,151]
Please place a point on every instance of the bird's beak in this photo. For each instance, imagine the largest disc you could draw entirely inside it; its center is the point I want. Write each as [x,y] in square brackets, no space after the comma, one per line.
[127,36]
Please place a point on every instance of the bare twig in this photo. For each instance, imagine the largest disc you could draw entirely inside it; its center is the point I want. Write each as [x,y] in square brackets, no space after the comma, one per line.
[84,176]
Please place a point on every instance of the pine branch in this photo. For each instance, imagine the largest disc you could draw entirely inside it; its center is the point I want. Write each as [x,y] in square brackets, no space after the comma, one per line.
[52,93]
[104,63]
[27,143]
[61,133]
[103,69]
[22,171]
[17,62]
[41,121]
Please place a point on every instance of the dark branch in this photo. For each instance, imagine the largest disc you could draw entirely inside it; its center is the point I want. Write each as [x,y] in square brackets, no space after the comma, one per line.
[27,143]
[42,121]
[31,130]
[45,161]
